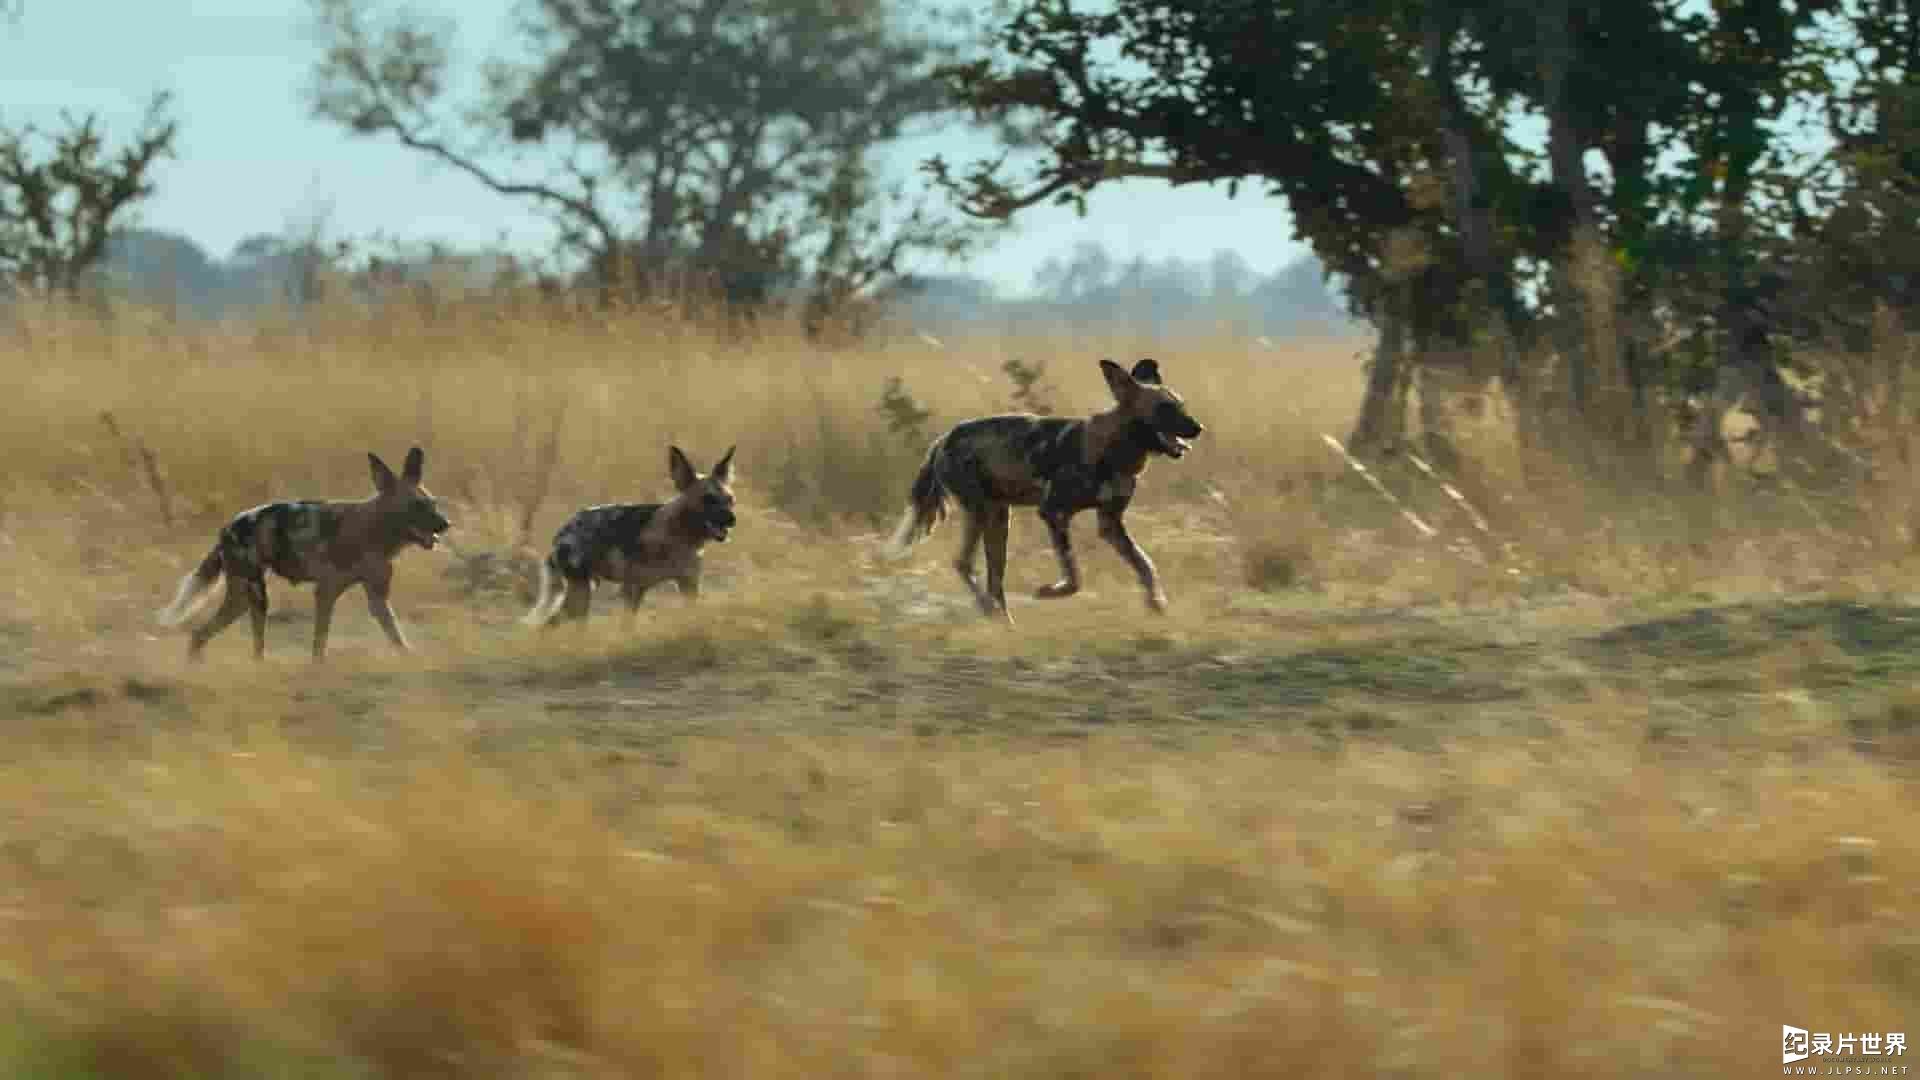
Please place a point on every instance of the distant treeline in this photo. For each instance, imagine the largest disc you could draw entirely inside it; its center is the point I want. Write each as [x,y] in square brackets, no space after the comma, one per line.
[1092,290]
[172,271]
[1087,289]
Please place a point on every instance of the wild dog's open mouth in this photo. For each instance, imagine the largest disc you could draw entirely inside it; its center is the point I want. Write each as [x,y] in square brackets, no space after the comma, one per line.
[1151,439]
[717,532]
[425,539]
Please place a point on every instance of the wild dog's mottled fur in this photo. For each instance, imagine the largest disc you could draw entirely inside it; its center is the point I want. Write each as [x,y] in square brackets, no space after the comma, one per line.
[637,545]
[335,545]
[991,464]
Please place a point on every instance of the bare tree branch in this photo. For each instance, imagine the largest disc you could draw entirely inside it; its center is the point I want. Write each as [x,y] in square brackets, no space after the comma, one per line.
[581,207]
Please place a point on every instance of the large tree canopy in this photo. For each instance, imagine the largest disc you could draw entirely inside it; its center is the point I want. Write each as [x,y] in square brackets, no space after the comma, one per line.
[1559,185]
[729,140]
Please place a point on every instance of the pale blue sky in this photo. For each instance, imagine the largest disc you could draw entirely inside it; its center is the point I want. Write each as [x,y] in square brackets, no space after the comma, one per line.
[251,159]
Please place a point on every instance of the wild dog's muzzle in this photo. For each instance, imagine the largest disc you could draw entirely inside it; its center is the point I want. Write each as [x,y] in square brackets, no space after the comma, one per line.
[427,534]
[1170,432]
[719,524]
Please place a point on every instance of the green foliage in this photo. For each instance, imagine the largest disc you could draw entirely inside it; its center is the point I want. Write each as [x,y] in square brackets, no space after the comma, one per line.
[1390,130]
[1864,197]
[729,145]
[60,194]
[904,414]
[1316,101]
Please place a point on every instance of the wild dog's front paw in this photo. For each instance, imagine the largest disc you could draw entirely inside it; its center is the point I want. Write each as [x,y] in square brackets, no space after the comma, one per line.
[1056,590]
[1157,602]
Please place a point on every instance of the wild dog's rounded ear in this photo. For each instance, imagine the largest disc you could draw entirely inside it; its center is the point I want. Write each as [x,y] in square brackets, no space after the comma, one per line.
[1146,371]
[723,469]
[383,479]
[1122,384]
[411,469]
[680,469]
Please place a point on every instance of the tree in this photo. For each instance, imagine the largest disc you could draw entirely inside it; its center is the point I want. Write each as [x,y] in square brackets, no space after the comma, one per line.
[1389,128]
[61,193]
[1849,278]
[713,142]
[1347,110]
[1866,212]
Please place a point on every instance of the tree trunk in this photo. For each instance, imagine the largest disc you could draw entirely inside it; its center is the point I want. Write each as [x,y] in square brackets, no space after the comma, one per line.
[1600,388]
[1382,419]
[1490,314]
[1749,359]
[1470,212]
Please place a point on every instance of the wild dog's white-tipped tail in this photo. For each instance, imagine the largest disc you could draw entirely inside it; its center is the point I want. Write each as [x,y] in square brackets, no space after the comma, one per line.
[547,598]
[193,589]
[185,600]
[926,506]
[905,535]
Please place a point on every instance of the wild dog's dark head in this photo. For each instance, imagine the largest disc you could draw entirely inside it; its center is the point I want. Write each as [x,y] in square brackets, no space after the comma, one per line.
[708,499]
[1157,417]
[406,507]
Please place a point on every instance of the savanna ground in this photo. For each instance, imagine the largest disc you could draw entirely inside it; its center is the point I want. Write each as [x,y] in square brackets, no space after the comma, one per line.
[1624,788]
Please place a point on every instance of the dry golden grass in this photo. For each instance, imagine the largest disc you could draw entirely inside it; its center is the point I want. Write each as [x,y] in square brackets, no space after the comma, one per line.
[1626,796]
[800,907]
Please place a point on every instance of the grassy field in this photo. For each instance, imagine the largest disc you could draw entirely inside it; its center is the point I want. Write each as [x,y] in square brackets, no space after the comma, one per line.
[1619,788]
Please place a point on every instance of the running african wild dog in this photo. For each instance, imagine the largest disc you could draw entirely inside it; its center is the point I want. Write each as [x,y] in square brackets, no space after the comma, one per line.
[332,543]
[638,545]
[1062,466]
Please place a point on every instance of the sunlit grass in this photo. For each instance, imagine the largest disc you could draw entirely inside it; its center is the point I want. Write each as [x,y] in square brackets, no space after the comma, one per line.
[1617,789]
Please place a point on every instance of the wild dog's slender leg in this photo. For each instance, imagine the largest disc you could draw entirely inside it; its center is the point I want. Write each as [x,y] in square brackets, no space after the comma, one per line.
[996,537]
[231,606]
[1113,529]
[689,585]
[963,562]
[377,586]
[579,598]
[257,607]
[1059,522]
[632,592]
[326,592]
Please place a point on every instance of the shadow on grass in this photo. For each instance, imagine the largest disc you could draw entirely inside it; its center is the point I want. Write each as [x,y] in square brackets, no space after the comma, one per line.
[1875,640]
[824,667]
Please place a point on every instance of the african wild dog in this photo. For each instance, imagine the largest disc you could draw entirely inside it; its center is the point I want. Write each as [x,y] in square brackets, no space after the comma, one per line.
[334,544]
[638,545]
[993,463]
